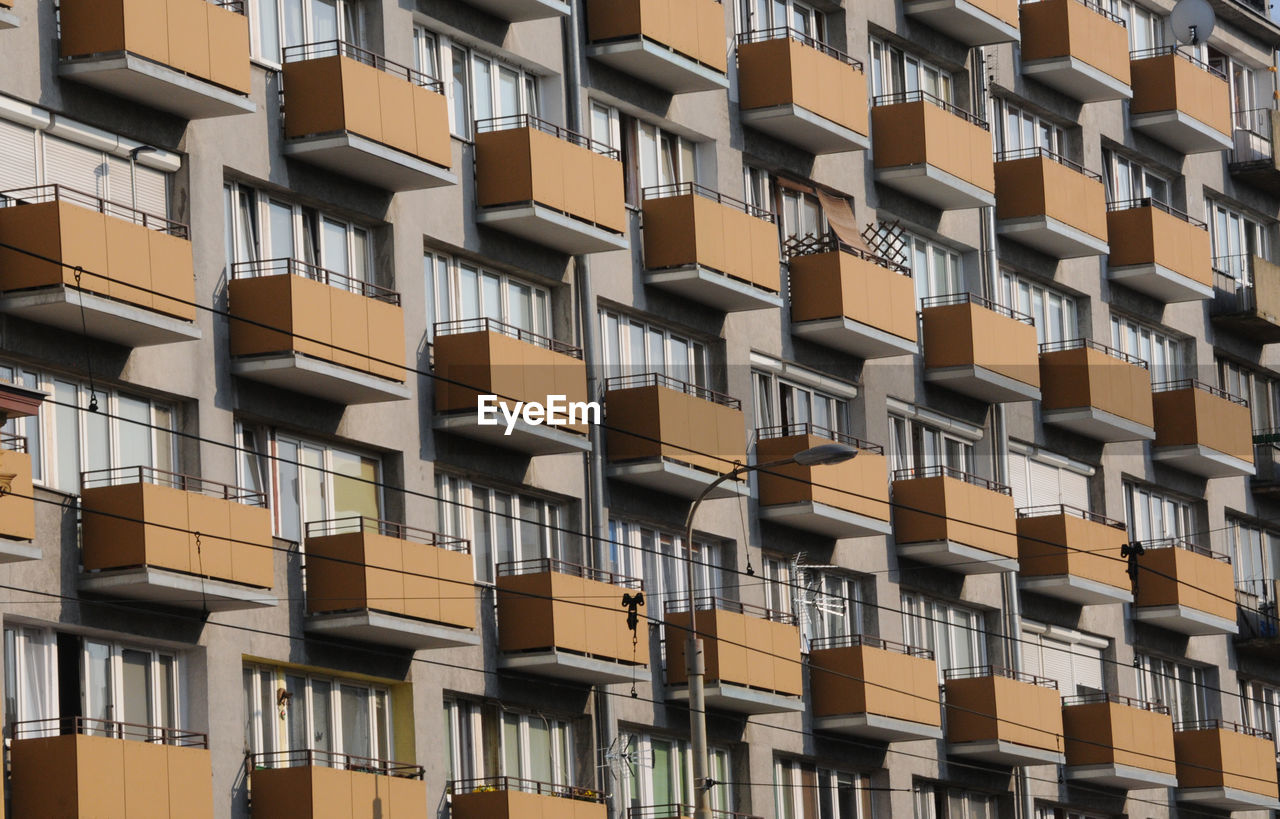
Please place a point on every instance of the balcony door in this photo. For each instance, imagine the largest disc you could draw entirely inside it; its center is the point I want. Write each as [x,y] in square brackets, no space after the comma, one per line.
[1235,237]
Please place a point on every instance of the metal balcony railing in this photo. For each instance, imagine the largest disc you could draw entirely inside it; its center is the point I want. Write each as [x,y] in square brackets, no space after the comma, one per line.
[374,526]
[809,245]
[1092,6]
[316,758]
[979,671]
[341,48]
[693,188]
[1175,50]
[40,194]
[119,476]
[807,428]
[1186,545]
[461,787]
[508,123]
[543,565]
[1090,344]
[677,811]
[1251,144]
[112,729]
[1030,153]
[296,267]
[981,301]
[917,472]
[1118,699]
[786,32]
[1152,202]
[856,640]
[1192,384]
[1070,511]
[628,382]
[1221,725]
[713,603]
[13,443]
[488,325]
[924,96]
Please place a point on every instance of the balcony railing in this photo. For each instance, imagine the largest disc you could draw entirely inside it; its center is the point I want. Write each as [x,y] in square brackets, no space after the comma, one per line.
[1118,699]
[1185,545]
[1071,511]
[458,787]
[924,96]
[712,603]
[41,194]
[341,48]
[1149,202]
[981,301]
[387,528]
[1031,153]
[488,325]
[1251,142]
[509,123]
[1092,6]
[312,758]
[1176,51]
[912,473]
[856,640]
[809,245]
[1191,383]
[119,476]
[1221,725]
[630,382]
[806,428]
[693,188]
[1090,344]
[86,726]
[542,565]
[785,32]
[675,811]
[296,267]
[978,671]
[13,443]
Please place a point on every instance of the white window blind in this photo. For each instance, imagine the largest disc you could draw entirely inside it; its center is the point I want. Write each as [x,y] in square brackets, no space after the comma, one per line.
[1071,658]
[18,147]
[1039,482]
[77,167]
[151,191]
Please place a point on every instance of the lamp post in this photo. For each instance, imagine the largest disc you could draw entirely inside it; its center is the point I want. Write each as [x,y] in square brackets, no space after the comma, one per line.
[821,455]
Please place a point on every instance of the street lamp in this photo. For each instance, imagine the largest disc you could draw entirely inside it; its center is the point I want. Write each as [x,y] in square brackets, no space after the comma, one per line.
[820,455]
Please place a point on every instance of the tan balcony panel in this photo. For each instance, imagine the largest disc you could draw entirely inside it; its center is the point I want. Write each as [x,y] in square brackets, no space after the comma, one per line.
[1253,158]
[849,499]
[1159,251]
[157,536]
[710,248]
[868,687]
[80,768]
[1246,297]
[518,11]
[1118,742]
[672,436]
[17,502]
[1003,717]
[972,22]
[955,520]
[1096,391]
[549,186]
[1225,766]
[1049,203]
[980,349]
[932,150]
[476,357]
[1202,429]
[505,797]
[752,657]
[304,328]
[677,45]
[386,583]
[320,784]
[186,57]
[138,285]
[1185,588]
[561,620]
[801,91]
[1179,101]
[1076,48]
[848,300]
[1073,555]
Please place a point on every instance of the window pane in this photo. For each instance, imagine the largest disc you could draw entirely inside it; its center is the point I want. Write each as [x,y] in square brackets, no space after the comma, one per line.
[135,433]
[354,489]
[356,740]
[322,715]
[135,678]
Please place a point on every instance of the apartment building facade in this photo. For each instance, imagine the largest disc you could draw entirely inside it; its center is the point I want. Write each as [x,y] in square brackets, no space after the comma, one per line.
[260,258]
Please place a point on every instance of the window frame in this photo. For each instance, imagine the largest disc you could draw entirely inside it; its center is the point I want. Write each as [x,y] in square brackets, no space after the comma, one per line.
[1179,511]
[454,62]
[619,353]
[1038,303]
[346,13]
[445,296]
[897,71]
[1166,682]
[800,784]
[923,626]
[1143,340]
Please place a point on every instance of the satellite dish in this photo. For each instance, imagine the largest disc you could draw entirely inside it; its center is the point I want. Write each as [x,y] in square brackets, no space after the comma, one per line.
[1192,21]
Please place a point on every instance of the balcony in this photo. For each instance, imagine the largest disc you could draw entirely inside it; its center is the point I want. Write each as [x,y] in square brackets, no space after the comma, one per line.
[847,299]
[1049,203]
[1072,555]
[801,91]
[1202,429]
[359,114]
[710,248]
[1226,766]
[1253,154]
[955,520]
[1118,742]
[549,185]
[505,797]
[1158,250]
[849,499]
[1266,462]
[673,436]
[675,811]
[391,584]
[157,536]
[972,22]
[88,767]
[519,11]
[1096,391]
[1185,588]
[1258,621]
[1246,297]
[562,620]
[932,150]
[185,57]
[679,47]
[873,688]
[312,784]
[86,265]
[1179,101]
[1003,717]
[17,502]
[476,357]
[8,17]
[752,656]
[1076,47]
[979,348]
[303,328]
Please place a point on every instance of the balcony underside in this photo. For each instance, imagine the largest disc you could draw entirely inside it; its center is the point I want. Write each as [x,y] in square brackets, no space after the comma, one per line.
[982,383]
[150,83]
[532,439]
[682,480]
[1230,799]
[1263,648]
[1181,131]
[930,184]
[389,630]
[171,588]
[1184,619]
[1052,237]
[854,337]
[8,19]
[875,726]
[1261,329]
[107,319]
[579,668]
[958,557]
[825,520]
[16,551]
[322,379]
[1261,174]
[1098,424]
[551,228]
[963,21]
[1079,590]
[1077,79]
[658,65]
[714,289]
[740,699]
[1201,460]
[1124,777]
[1001,752]
[801,127]
[1160,282]
[368,161]
[518,11]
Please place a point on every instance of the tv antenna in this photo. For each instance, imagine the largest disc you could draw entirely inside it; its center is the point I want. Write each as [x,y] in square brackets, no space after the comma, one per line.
[622,756]
[807,595]
[1192,21]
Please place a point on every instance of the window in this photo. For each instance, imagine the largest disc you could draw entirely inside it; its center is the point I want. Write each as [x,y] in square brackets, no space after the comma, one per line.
[835,608]
[936,801]
[651,155]
[662,774]
[1040,478]
[1261,706]
[1260,389]
[802,790]
[894,71]
[633,346]
[1235,237]
[636,550]
[503,527]
[954,633]
[458,289]
[1054,311]
[65,438]
[1128,179]
[1180,686]
[1241,81]
[1146,27]
[485,740]
[1017,129]
[914,444]
[316,712]
[307,481]
[1154,515]
[1071,657]
[477,85]
[777,584]
[1255,553]
[757,188]
[780,402]
[284,23]
[935,267]
[764,15]
[801,214]
[1162,351]
[1059,812]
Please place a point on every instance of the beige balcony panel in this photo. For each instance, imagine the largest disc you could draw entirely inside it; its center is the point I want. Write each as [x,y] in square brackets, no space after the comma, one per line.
[1181,104]
[933,154]
[874,692]
[1160,253]
[1093,393]
[1059,210]
[677,45]
[852,304]
[1118,744]
[318,791]
[1075,49]
[980,352]
[953,523]
[1192,592]
[1073,556]
[1220,766]
[1004,721]
[1203,431]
